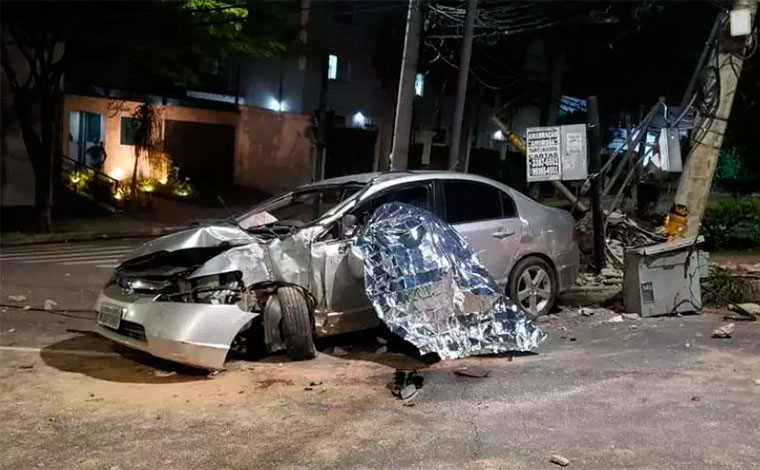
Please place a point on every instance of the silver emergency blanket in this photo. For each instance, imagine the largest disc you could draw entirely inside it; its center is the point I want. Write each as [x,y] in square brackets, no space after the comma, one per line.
[430,288]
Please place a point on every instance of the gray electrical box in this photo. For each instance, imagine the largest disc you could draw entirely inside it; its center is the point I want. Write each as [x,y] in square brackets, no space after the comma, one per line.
[669,143]
[663,279]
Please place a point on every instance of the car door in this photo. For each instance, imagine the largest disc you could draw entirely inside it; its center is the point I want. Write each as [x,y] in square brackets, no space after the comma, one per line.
[345,299]
[487,218]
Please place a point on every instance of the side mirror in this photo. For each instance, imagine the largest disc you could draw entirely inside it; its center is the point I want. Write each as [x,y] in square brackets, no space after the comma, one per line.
[349,225]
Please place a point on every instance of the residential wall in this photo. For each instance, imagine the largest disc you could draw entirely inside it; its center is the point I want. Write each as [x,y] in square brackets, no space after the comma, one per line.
[272,150]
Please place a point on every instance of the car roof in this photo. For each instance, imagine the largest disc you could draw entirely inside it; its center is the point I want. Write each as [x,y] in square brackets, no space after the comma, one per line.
[381,177]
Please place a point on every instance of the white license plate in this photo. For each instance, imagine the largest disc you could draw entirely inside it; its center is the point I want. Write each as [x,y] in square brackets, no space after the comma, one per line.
[110,315]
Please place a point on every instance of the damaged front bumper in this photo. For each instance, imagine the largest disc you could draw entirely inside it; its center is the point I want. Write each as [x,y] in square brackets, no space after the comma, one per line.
[190,333]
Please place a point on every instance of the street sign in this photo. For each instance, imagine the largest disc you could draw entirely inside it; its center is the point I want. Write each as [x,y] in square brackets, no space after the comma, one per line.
[544,159]
[574,160]
[556,153]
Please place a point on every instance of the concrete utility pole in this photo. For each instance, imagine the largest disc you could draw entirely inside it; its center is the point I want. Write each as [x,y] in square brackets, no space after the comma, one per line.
[403,125]
[464,71]
[699,168]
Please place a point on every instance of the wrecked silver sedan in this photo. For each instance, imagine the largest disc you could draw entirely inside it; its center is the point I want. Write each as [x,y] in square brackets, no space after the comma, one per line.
[292,266]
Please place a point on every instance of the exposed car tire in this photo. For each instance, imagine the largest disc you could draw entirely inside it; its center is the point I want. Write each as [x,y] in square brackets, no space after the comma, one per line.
[296,323]
[533,285]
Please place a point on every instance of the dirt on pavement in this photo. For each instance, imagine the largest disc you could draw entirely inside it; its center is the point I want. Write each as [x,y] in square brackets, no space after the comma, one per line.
[649,393]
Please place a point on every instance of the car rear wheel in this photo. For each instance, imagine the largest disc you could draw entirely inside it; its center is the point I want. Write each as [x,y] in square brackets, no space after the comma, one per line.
[296,323]
[533,285]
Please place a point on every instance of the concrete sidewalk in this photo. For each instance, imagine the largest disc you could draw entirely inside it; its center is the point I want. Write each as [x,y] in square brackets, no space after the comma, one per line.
[166,216]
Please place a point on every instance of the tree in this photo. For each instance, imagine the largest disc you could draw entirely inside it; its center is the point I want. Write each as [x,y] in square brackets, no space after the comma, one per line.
[147,136]
[154,41]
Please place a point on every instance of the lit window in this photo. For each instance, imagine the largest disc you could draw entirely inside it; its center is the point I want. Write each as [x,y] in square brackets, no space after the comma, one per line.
[419,84]
[359,119]
[332,67]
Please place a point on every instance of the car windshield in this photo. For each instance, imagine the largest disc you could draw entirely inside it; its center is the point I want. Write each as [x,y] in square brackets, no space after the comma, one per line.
[298,208]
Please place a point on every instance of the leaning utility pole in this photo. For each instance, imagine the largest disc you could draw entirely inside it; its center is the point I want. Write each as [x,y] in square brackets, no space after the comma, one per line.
[699,168]
[403,124]
[464,71]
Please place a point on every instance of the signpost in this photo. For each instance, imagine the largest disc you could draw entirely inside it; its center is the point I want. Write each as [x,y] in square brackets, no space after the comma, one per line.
[556,153]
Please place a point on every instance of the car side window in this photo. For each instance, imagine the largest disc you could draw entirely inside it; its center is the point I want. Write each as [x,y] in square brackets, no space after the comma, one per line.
[471,201]
[508,208]
[417,195]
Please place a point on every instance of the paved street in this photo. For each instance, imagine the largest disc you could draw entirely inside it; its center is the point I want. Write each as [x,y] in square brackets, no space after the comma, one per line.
[98,255]
[646,394]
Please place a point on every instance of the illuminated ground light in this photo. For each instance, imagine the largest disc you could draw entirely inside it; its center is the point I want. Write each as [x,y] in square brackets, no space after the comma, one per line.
[117,174]
[275,105]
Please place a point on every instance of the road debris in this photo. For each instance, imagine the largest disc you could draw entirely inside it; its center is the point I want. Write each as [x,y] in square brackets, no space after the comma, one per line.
[616,319]
[631,316]
[406,384]
[757,381]
[164,373]
[338,351]
[27,307]
[474,372]
[17,298]
[50,304]
[695,398]
[747,311]
[724,331]
[559,460]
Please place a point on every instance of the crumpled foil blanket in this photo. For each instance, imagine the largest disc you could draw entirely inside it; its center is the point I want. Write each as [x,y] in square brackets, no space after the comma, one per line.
[430,288]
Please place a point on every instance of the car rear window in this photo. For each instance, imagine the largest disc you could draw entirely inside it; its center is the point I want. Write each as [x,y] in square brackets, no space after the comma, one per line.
[471,201]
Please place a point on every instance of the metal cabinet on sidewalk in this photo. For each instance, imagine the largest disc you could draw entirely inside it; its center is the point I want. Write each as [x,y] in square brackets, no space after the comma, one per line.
[664,278]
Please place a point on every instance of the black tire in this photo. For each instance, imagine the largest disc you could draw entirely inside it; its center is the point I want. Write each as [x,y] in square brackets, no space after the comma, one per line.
[296,323]
[517,284]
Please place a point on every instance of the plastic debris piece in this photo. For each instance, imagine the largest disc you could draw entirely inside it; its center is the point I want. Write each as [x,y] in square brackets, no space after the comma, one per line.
[408,392]
[17,298]
[50,304]
[616,319]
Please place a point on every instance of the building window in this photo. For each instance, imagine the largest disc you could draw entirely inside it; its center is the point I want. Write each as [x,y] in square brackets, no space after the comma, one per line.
[332,67]
[419,84]
[128,127]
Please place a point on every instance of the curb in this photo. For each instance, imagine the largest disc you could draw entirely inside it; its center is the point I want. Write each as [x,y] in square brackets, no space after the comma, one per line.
[42,238]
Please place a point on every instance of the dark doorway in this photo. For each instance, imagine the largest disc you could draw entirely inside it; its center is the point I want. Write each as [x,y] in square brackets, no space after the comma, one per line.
[203,152]
[349,151]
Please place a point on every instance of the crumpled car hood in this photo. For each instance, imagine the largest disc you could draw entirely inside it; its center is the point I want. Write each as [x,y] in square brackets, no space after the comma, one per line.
[259,260]
[430,288]
[201,237]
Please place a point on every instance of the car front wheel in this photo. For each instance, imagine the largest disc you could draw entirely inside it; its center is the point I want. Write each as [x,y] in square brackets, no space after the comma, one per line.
[533,285]
[296,323]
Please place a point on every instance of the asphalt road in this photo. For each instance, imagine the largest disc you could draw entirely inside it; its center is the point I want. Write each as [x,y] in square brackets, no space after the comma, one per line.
[645,394]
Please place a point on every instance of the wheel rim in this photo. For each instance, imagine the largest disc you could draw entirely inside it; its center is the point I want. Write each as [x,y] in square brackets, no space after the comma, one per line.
[534,289]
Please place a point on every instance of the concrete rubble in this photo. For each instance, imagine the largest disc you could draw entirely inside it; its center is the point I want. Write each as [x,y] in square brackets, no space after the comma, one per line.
[559,460]
[724,331]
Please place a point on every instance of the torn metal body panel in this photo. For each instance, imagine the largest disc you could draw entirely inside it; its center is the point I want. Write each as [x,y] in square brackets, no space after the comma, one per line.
[225,277]
[431,289]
